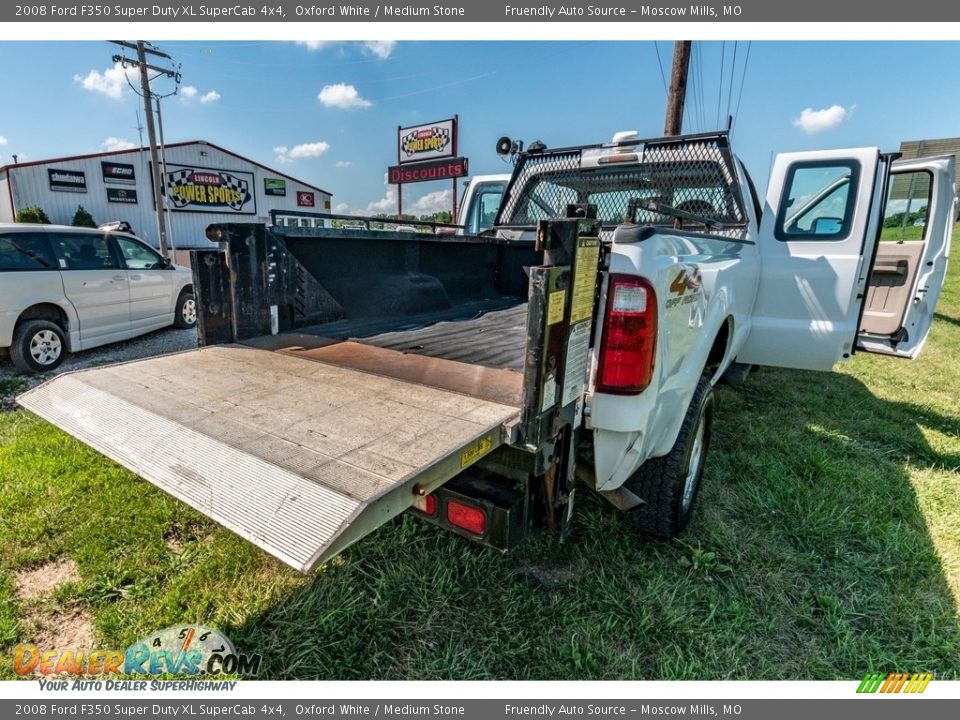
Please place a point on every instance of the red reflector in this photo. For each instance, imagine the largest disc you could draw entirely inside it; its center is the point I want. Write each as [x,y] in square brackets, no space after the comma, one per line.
[426,505]
[629,342]
[469,518]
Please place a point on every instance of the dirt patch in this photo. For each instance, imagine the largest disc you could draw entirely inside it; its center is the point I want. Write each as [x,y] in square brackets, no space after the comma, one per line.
[177,536]
[52,628]
[40,581]
[59,630]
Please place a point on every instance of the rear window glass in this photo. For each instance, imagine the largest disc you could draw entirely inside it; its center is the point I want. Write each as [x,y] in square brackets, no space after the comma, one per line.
[26,251]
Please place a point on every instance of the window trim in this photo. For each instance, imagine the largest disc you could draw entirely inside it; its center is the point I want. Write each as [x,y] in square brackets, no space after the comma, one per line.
[846,226]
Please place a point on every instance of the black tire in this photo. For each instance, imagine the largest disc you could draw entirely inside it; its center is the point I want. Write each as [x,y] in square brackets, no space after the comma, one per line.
[185,316]
[670,484]
[38,346]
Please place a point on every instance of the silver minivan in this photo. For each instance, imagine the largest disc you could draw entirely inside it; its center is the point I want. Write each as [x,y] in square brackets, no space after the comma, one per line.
[64,289]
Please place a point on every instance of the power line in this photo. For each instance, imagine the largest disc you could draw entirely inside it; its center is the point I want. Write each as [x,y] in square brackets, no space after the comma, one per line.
[733,69]
[723,52]
[743,80]
[663,77]
[144,67]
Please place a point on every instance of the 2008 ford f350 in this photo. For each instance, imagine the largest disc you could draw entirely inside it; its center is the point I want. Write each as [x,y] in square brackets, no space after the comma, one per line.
[347,377]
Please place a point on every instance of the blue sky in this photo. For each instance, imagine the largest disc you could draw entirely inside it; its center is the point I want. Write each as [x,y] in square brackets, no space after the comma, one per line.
[327,113]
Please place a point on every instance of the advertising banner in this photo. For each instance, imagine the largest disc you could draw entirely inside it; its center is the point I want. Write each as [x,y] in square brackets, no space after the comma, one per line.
[275,186]
[118,173]
[67,180]
[305,198]
[423,171]
[199,189]
[122,195]
[427,142]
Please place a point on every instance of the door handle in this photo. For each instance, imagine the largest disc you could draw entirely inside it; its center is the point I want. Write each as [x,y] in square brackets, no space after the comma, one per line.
[136,277]
[119,278]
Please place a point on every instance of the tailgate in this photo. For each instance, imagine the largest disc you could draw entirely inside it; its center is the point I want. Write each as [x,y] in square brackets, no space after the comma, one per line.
[300,457]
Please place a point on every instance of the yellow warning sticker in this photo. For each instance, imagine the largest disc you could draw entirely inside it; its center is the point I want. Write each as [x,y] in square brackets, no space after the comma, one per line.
[555,306]
[584,281]
[476,450]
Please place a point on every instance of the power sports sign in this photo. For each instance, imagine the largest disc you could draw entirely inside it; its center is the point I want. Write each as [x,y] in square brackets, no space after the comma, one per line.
[427,142]
[198,189]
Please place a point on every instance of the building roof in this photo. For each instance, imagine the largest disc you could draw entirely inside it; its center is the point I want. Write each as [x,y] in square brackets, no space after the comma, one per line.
[65,158]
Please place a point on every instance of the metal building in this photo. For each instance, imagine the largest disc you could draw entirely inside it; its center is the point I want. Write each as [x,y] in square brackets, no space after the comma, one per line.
[202,184]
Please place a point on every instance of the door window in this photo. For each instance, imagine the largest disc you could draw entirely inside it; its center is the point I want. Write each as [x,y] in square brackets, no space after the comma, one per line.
[26,251]
[818,201]
[85,251]
[137,256]
[908,206]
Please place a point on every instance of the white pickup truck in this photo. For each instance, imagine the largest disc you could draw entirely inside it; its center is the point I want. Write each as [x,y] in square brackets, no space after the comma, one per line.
[478,380]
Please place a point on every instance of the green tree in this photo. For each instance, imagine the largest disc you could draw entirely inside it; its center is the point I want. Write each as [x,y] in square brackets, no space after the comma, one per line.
[32,214]
[82,218]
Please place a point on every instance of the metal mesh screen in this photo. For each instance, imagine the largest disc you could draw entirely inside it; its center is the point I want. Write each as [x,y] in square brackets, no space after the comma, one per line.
[693,175]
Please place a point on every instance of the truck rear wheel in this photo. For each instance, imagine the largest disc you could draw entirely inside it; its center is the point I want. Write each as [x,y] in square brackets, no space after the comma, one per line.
[669,484]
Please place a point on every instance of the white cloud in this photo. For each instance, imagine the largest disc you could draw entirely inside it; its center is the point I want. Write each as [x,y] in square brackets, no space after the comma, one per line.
[341,208]
[314,149]
[112,144]
[287,155]
[3,141]
[813,121]
[342,96]
[188,91]
[210,97]
[386,204]
[433,202]
[314,45]
[339,164]
[379,48]
[111,82]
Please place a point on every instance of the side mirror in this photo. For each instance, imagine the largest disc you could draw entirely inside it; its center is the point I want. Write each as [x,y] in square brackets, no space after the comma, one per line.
[165,263]
[827,226]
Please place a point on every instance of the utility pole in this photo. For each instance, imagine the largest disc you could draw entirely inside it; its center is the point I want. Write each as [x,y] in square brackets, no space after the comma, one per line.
[141,64]
[678,88]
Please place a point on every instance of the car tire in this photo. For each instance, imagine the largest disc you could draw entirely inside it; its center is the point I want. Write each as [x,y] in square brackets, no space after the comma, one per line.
[185,315]
[669,485]
[38,346]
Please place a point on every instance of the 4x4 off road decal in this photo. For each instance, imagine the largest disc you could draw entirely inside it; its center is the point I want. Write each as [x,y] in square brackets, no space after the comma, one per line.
[208,190]
[686,279]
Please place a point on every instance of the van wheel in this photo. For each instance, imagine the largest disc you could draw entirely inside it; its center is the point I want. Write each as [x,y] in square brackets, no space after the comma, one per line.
[38,346]
[186,312]
[669,484]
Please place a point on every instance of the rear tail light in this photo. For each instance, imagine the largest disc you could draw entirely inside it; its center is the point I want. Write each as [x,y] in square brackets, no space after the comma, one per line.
[426,504]
[629,341]
[471,519]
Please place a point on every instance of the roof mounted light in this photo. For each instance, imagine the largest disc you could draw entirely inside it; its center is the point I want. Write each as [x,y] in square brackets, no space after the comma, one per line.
[623,137]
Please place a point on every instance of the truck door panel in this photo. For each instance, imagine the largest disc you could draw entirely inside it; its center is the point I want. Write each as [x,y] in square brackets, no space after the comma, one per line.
[819,222]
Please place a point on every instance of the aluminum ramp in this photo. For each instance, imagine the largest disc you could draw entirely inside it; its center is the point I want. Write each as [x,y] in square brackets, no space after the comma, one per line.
[299,456]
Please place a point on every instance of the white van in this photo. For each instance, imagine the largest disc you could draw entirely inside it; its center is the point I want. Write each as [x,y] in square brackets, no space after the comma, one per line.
[64,289]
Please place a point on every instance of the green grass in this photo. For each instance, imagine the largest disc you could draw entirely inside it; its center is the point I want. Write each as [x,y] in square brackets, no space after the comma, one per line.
[826,544]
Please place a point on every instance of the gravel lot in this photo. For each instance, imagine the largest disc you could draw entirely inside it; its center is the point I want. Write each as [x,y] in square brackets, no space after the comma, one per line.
[156,343]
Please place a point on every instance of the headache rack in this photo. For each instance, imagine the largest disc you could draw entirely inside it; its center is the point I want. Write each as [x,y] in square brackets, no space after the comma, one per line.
[693,174]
